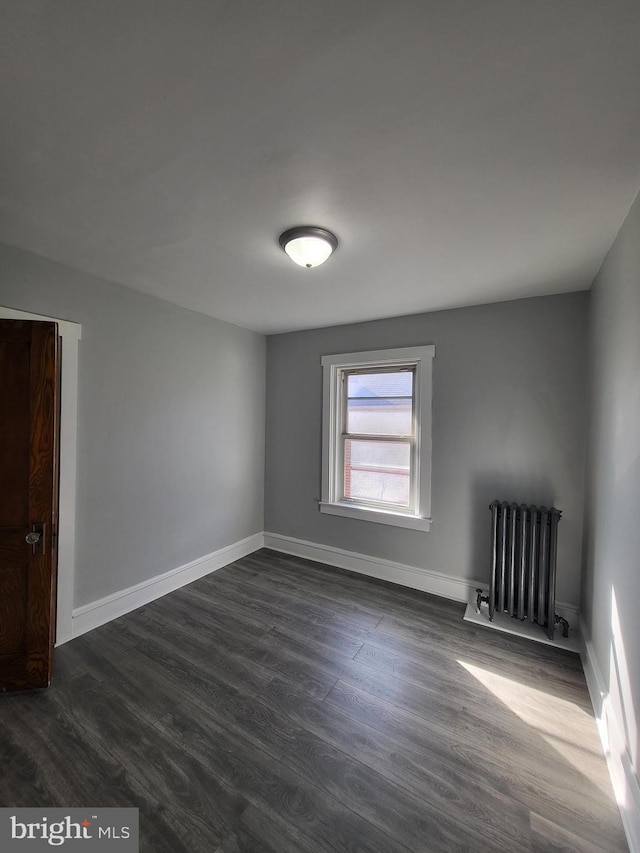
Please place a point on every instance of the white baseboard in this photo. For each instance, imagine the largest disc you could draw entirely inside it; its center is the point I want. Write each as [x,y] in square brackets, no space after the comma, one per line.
[99,612]
[614,746]
[457,589]
[426,580]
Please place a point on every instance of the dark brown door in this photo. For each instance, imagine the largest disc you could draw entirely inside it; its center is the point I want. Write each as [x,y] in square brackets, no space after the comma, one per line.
[28,501]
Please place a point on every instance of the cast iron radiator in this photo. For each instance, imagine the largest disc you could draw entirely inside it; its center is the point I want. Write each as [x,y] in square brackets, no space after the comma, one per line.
[523,564]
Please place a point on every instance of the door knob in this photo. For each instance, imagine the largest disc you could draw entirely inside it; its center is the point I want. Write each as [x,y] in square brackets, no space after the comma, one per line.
[35,538]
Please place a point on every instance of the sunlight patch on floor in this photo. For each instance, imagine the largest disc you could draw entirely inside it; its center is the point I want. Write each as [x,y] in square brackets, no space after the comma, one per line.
[560,719]
[586,761]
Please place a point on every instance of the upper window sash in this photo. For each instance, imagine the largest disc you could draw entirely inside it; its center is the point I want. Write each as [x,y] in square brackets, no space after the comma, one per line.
[345,398]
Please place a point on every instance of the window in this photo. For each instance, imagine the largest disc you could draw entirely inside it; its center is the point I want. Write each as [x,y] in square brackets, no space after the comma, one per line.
[376,438]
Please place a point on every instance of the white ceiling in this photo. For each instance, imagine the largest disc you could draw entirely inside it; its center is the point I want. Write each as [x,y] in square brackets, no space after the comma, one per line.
[464,151]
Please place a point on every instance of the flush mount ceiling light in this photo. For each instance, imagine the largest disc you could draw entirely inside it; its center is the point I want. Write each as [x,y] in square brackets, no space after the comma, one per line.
[307,245]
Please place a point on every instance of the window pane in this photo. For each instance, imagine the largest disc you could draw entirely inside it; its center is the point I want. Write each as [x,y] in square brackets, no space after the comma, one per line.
[380,416]
[380,403]
[377,471]
[389,384]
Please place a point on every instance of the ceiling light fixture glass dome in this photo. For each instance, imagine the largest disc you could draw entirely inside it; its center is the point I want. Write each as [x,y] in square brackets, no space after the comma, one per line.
[307,245]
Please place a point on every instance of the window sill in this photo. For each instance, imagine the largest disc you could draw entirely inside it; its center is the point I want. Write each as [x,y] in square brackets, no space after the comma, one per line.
[379,516]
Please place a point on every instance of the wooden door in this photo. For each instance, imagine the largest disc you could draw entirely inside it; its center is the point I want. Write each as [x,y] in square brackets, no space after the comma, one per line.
[29,380]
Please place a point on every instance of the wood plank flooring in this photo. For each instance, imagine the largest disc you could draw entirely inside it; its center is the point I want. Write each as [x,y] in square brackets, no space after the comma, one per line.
[281,706]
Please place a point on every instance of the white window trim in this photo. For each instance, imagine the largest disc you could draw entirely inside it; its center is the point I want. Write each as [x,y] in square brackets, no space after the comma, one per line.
[332,366]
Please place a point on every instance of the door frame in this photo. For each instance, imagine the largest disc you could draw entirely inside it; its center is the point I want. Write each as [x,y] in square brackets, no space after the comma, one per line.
[70,334]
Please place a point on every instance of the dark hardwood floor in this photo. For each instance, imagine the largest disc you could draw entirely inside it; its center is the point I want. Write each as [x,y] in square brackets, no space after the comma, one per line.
[281,706]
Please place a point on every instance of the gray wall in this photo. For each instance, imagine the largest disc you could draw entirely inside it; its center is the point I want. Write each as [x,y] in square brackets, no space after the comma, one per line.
[508,408]
[171,424]
[611,587]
